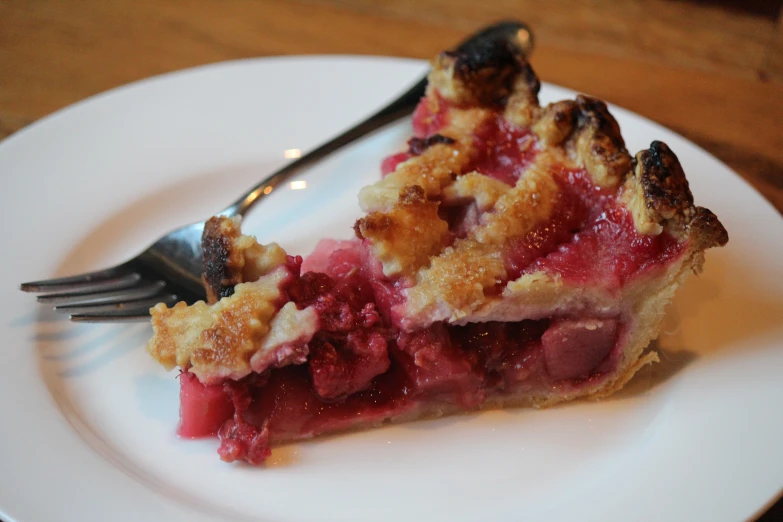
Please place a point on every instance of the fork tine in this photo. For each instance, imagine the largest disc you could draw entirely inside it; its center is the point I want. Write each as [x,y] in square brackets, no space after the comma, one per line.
[115,317]
[109,296]
[136,306]
[89,279]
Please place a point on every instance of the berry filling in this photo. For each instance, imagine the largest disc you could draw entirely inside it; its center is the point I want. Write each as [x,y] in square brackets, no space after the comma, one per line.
[502,151]
[430,116]
[609,250]
[361,367]
[203,409]
[447,366]
[389,164]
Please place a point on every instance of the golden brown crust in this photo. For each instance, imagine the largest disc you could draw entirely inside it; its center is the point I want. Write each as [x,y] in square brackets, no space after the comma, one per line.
[659,198]
[456,281]
[237,335]
[432,170]
[556,122]
[406,237]
[216,341]
[485,191]
[598,142]
[706,230]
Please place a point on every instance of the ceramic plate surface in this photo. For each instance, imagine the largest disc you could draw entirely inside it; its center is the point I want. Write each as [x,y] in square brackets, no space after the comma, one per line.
[88,429]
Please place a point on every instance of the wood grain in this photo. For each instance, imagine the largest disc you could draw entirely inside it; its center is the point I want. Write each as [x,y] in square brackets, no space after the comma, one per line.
[672,33]
[714,75]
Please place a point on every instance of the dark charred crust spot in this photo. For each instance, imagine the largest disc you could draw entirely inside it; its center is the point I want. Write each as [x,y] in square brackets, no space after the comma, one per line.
[531,79]
[663,181]
[563,115]
[485,53]
[708,231]
[594,114]
[216,248]
[668,197]
[605,142]
[489,69]
[418,145]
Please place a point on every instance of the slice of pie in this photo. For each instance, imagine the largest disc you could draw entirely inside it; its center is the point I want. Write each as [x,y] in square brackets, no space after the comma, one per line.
[514,255]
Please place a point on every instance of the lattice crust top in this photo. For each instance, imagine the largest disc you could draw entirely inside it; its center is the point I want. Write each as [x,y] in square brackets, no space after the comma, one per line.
[455,274]
[450,282]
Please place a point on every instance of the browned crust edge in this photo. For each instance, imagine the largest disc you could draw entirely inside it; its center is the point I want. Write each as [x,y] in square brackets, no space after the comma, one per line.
[669,200]
[499,73]
[580,133]
[219,276]
[487,72]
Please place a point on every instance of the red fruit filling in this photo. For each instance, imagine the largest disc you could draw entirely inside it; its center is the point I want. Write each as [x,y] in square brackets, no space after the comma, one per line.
[610,250]
[340,371]
[447,365]
[574,348]
[389,164]
[589,238]
[430,116]
[361,368]
[502,151]
[203,409]
[239,439]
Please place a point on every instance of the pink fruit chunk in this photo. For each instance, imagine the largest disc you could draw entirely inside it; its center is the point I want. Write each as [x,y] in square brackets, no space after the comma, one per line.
[574,348]
[340,371]
[203,409]
[389,163]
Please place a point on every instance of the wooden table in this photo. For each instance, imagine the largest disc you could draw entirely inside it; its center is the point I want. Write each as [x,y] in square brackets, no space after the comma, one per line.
[711,73]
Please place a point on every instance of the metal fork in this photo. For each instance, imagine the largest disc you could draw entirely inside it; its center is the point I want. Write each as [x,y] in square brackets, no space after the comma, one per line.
[170,269]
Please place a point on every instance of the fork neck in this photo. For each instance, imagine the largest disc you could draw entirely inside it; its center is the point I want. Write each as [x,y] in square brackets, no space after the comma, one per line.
[399,108]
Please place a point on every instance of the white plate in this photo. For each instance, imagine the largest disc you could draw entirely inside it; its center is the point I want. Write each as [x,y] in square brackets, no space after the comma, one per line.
[88,419]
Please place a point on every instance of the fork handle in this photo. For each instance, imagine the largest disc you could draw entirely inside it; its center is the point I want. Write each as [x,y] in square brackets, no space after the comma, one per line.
[399,108]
